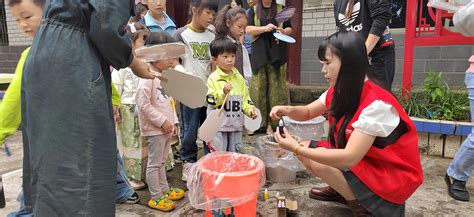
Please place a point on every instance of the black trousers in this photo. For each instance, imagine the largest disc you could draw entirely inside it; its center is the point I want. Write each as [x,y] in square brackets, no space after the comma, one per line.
[383,65]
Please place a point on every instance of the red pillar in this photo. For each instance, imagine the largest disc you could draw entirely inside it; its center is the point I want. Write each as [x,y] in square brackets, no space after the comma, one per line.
[294,50]
[410,27]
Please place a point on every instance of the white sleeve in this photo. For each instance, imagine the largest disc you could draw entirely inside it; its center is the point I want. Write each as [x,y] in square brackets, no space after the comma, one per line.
[322,98]
[247,67]
[378,119]
[118,80]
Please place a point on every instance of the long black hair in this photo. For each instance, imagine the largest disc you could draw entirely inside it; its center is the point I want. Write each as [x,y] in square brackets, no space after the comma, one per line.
[228,15]
[350,48]
[273,10]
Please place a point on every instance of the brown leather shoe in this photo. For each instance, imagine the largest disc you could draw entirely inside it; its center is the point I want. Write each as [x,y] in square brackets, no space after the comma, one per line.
[357,209]
[326,194]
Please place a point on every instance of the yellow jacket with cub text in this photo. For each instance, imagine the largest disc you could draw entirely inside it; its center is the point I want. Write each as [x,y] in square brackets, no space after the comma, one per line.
[238,102]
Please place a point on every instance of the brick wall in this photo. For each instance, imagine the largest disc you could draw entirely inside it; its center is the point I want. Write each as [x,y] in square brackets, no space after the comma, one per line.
[318,22]
[9,56]
[451,60]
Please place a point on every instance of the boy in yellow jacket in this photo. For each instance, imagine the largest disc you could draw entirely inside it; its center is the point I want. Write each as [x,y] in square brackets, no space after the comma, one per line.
[226,80]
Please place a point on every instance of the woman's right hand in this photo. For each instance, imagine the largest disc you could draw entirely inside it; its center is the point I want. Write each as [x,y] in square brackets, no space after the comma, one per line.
[141,69]
[270,27]
[279,111]
[167,127]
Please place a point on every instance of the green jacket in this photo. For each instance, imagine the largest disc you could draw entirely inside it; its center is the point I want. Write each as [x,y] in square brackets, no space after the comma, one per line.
[115,96]
[238,102]
[10,110]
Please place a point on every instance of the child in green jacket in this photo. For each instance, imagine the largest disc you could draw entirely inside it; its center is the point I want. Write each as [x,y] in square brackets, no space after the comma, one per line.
[227,80]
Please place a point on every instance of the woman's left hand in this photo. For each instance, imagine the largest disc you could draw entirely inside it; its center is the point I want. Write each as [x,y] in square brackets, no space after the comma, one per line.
[281,30]
[288,142]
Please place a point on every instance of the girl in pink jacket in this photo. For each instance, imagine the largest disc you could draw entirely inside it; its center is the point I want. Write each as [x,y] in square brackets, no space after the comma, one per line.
[158,123]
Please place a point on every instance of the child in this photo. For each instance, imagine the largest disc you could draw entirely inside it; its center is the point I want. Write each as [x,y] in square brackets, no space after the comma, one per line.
[227,80]
[158,123]
[140,12]
[156,19]
[28,14]
[231,22]
[197,59]
[126,83]
[71,147]
[268,85]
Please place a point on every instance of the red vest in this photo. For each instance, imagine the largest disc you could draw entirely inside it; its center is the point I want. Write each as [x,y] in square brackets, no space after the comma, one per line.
[394,172]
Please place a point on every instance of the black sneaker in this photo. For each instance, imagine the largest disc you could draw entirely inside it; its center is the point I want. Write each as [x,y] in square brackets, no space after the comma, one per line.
[457,189]
[133,199]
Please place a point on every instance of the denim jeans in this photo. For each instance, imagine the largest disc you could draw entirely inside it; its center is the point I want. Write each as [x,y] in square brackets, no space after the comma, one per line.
[21,212]
[124,189]
[191,120]
[463,163]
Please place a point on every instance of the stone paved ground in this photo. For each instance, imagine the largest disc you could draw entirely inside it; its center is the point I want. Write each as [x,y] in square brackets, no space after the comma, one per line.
[430,199]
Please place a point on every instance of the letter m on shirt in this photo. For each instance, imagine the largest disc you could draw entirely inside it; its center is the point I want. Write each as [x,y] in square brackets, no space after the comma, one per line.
[200,50]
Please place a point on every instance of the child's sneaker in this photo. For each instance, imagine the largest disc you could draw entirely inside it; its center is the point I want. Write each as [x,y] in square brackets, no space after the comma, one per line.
[175,194]
[186,168]
[137,184]
[133,199]
[163,204]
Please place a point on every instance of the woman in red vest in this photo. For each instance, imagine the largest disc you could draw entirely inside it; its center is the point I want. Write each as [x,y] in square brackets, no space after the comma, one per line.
[371,161]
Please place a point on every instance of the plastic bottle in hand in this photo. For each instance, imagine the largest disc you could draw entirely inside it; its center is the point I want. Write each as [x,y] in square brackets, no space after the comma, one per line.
[281,125]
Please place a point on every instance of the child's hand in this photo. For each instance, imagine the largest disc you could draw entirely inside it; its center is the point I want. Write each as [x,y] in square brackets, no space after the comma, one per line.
[167,127]
[175,130]
[228,88]
[117,118]
[253,115]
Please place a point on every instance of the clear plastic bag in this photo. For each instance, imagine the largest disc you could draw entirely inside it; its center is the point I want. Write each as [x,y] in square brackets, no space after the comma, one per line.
[274,156]
[306,130]
[225,179]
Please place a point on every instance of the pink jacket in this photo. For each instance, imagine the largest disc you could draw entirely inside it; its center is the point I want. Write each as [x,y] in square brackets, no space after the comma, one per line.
[471,66]
[154,107]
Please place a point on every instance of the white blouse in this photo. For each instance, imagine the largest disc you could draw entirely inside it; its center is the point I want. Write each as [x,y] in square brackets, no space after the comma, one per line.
[378,119]
[126,83]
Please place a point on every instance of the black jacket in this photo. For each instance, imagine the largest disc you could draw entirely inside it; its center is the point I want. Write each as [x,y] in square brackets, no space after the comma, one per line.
[368,16]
